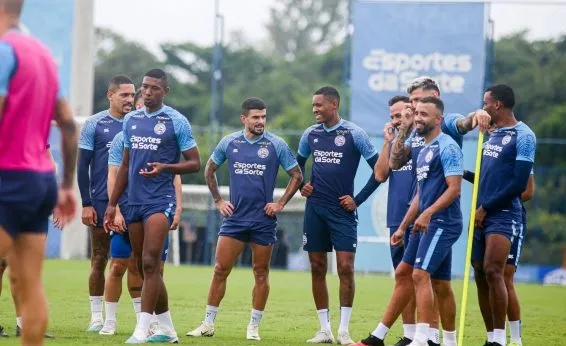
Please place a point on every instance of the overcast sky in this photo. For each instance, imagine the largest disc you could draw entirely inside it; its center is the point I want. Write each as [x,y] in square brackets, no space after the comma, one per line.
[157,21]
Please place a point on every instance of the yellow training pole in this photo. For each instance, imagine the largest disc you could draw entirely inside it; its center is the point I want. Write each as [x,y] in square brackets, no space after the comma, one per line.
[471,227]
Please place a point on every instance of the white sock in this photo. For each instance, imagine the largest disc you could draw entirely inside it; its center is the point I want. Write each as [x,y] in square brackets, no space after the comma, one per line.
[142,327]
[489,336]
[380,331]
[136,302]
[19,322]
[96,308]
[409,330]
[421,333]
[499,336]
[110,308]
[256,317]
[324,318]
[210,315]
[434,335]
[154,319]
[164,319]
[515,331]
[345,314]
[449,338]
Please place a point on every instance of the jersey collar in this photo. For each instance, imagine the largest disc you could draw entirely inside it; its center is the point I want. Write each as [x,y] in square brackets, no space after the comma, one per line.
[509,127]
[253,141]
[157,112]
[330,129]
[433,140]
[111,116]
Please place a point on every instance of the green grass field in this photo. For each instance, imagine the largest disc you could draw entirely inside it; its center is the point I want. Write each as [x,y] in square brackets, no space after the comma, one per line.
[290,318]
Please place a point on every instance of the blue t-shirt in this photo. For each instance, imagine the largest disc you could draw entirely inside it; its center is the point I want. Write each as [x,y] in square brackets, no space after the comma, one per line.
[115,154]
[504,147]
[97,135]
[336,154]
[253,166]
[160,136]
[402,185]
[440,158]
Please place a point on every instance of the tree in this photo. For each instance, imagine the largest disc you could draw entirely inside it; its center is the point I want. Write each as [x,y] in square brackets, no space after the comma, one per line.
[298,26]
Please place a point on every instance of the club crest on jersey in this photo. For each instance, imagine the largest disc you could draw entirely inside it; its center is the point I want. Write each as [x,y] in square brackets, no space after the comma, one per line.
[159,128]
[506,140]
[263,152]
[339,140]
[428,156]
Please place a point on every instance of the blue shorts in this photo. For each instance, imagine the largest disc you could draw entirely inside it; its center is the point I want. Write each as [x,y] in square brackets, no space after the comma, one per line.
[100,208]
[27,199]
[259,233]
[517,244]
[434,253]
[120,246]
[325,228]
[502,223]
[398,251]
[140,213]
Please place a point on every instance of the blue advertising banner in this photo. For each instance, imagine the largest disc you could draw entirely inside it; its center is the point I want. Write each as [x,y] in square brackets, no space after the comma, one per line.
[52,23]
[393,43]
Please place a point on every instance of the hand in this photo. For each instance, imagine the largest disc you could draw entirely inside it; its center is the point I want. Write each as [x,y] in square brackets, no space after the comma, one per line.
[483,119]
[226,208]
[480,216]
[272,209]
[307,190]
[119,222]
[109,218]
[57,219]
[347,203]
[156,169]
[407,116]
[397,237]
[89,216]
[176,220]
[66,206]
[422,222]
[389,132]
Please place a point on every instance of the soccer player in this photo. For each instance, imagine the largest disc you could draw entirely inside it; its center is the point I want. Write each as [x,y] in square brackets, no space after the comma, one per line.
[401,190]
[507,161]
[121,249]
[30,97]
[435,211]
[154,138]
[96,136]
[254,157]
[330,214]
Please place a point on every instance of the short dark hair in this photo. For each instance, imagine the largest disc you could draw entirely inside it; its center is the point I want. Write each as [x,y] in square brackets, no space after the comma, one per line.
[435,101]
[504,94]
[398,98]
[329,92]
[118,80]
[13,7]
[425,83]
[137,96]
[158,73]
[252,103]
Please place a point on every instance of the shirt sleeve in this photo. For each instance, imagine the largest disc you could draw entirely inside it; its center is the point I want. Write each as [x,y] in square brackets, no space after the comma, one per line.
[410,138]
[452,160]
[7,67]
[184,133]
[116,150]
[363,144]
[125,133]
[219,154]
[451,120]
[304,146]
[285,156]
[526,146]
[86,141]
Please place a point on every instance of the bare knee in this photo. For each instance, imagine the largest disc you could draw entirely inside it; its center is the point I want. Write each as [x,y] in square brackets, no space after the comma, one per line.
[442,288]
[261,273]
[221,271]
[98,262]
[150,265]
[493,272]
[403,272]
[318,268]
[420,278]
[345,271]
[509,277]
[117,269]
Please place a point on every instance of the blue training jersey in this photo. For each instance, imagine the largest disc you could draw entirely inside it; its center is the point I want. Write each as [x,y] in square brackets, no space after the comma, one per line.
[97,135]
[440,158]
[402,186]
[160,136]
[504,147]
[115,155]
[336,154]
[253,166]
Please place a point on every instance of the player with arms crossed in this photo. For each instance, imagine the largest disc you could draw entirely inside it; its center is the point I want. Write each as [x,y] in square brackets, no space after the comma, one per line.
[330,214]
[435,211]
[154,138]
[30,98]
[96,136]
[121,249]
[254,157]
[507,162]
